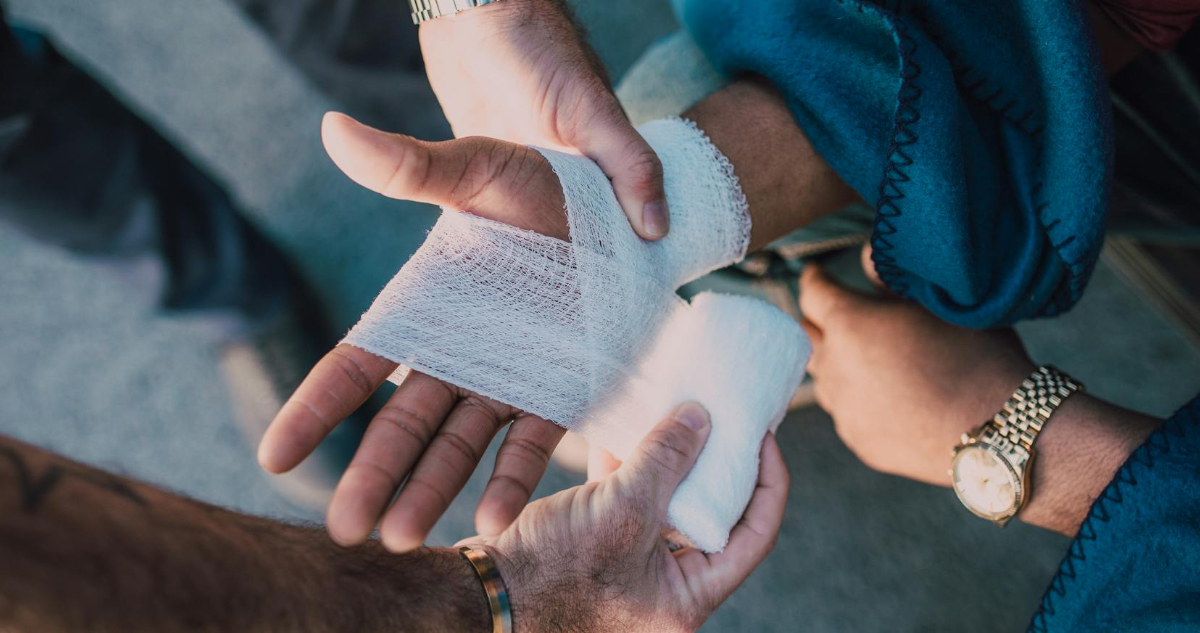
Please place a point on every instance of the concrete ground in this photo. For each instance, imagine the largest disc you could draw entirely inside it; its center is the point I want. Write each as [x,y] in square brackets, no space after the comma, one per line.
[87,369]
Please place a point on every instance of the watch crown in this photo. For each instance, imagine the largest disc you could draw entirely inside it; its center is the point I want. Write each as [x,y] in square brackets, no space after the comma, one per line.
[965,438]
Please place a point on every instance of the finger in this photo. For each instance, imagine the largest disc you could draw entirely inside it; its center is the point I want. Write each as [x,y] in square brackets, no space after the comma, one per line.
[601,463]
[520,464]
[821,296]
[501,181]
[635,170]
[664,457]
[338,384]
[868,266]
[393,442]
[440,474]
[755,534]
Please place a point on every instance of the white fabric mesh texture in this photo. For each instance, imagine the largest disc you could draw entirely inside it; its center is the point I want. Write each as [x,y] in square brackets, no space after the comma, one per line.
[590,334]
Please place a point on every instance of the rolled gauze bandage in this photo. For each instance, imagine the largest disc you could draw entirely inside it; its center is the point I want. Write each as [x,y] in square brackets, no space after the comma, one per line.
[591,334]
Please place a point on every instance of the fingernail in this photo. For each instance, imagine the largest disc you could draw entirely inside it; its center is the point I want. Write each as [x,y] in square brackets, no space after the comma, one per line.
[692,416]
[654,218]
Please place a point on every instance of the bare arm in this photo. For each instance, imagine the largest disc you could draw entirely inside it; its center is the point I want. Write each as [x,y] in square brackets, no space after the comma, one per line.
[81,549]
[1077,456]
[787,183]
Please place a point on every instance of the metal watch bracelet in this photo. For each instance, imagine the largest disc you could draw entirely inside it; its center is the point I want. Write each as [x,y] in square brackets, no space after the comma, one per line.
[1031,405]
[426,10]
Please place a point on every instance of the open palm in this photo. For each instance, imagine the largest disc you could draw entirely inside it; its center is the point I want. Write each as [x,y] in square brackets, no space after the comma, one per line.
[431,434]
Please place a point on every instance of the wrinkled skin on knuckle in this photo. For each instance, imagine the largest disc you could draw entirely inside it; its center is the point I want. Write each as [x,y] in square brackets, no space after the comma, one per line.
[412,172]
[669,452]
[645,171]
[588,110]
[406,420]
[480,168]
[525,450]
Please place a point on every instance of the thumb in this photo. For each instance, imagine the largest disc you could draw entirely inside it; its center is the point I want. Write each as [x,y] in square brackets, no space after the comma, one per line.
[872,273]
[497,180]
[629,161]
[665,456]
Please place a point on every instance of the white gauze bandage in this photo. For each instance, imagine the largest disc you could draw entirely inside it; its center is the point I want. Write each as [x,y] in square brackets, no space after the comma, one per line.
[591,334]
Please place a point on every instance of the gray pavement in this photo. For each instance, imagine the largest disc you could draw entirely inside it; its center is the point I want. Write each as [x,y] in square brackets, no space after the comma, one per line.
[88,369]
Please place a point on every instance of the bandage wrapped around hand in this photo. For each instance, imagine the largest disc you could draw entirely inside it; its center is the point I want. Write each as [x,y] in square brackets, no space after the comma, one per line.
[591,334]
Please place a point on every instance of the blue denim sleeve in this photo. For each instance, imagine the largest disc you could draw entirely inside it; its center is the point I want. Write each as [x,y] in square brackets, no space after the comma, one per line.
[1135,563]
[979,130]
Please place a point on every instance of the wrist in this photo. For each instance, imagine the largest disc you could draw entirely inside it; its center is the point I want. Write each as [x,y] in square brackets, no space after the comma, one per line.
[520,574]
[786,181]
[427,590]
[474,610]
[546,596]
[494,586]
[1077,454]
[969,409]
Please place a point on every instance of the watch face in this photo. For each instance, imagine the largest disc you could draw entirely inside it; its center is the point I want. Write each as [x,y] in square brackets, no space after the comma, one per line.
[985,483]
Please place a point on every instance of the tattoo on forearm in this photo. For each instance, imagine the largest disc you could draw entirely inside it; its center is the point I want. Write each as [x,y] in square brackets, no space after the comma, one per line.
[34,490]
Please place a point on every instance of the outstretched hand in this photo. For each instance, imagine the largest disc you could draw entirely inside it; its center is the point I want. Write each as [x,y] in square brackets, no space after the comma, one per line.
[430,432]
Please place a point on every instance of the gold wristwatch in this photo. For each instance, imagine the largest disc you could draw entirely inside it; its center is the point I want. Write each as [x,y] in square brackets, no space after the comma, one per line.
[990,469]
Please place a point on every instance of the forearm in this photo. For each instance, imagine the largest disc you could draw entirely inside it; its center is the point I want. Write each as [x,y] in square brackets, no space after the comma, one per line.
[787,183]
[1077,455]
[83,549]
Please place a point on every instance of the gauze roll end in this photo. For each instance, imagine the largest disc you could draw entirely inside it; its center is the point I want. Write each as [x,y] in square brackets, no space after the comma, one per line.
[742,359]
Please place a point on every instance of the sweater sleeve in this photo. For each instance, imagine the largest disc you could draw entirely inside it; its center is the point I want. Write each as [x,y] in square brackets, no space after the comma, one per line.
[979,130]
[1135,563]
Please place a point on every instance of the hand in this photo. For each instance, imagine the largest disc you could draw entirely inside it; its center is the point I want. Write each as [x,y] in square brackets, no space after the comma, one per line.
[519,70]
[901,385]
[593,558]
[430,431]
